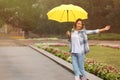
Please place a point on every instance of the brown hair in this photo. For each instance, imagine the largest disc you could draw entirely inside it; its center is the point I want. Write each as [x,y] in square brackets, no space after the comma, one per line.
[77,21]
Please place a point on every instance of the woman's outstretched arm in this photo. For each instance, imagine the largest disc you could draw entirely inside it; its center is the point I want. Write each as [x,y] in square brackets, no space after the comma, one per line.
[106,28]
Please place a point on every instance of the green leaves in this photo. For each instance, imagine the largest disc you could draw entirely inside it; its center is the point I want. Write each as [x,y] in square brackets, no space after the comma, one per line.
[104,71]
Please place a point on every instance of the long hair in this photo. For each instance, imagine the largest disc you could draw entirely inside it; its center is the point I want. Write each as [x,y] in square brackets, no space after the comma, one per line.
[74,26]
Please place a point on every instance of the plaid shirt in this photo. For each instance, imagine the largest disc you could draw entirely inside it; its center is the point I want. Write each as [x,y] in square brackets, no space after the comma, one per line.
[83,33]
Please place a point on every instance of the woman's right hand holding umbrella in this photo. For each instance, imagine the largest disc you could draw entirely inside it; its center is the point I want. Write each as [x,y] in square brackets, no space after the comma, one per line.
[68,35]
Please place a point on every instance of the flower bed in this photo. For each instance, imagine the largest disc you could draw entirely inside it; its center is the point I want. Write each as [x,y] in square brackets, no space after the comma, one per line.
[106,72]
[115,47]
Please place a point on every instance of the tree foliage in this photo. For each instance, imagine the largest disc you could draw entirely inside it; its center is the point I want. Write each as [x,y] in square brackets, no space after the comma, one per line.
[30,15]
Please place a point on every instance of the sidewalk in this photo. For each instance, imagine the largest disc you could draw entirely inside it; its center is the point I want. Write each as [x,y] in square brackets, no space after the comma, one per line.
[24,63]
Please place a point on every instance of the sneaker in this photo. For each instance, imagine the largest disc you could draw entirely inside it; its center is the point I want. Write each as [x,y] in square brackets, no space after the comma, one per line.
[77,78]
[83,78]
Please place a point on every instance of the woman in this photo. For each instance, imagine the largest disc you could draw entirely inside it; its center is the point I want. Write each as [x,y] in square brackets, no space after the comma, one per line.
[79,46]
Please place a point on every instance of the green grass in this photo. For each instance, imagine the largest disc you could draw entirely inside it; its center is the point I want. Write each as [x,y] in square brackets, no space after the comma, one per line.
[105,36]
[102,54]
[105,55]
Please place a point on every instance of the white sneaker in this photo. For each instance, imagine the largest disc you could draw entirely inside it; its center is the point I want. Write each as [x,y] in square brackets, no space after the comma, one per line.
[77,78]
[83,78]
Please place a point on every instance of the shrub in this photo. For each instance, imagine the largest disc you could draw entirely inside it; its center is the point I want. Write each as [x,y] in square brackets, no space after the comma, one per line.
[106,72]
[69,59]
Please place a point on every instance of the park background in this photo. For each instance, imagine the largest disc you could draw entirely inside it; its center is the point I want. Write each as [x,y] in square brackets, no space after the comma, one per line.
[31,16]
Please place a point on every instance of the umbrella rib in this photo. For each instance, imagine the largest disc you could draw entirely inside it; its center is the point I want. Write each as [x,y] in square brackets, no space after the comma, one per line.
[62,15]
[73,14]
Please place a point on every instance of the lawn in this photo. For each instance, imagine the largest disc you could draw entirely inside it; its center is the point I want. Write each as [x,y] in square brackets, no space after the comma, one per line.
[102,54]
[104,36]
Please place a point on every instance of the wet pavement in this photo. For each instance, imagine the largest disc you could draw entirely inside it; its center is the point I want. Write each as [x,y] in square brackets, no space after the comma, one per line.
[20,62]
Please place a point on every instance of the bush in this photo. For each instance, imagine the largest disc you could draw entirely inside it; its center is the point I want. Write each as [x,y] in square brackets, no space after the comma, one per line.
[104,71]
[69,59]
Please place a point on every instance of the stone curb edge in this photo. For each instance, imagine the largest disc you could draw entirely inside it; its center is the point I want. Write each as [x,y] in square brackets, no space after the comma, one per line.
[63,63]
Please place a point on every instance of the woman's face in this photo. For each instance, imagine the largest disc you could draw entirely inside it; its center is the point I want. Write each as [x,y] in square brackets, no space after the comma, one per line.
[79,25]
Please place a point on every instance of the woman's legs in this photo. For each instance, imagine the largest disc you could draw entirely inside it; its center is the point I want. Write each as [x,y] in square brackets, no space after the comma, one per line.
[78,65]
[81,64]
[75,66]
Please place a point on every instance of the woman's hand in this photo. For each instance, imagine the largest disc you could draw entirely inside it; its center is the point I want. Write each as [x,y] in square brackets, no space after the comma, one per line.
[68,33]
[107,28]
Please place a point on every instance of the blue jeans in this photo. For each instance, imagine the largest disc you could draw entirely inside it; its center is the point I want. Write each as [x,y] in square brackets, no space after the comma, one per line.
[78,64]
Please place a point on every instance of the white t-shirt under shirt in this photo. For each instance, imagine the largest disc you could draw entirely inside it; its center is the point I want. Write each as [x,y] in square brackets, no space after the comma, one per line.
[77,41]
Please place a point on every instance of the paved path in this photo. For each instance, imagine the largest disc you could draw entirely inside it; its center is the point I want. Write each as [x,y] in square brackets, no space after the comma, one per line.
[23,63]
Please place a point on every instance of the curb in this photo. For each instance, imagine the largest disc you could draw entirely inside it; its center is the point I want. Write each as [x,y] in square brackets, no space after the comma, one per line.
[63,63]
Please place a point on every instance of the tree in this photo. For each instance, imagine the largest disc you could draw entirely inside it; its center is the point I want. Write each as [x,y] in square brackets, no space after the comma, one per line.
[20,13]
[98,12]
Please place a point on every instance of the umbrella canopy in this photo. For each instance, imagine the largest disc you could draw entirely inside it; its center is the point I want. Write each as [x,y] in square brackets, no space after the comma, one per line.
[67,13]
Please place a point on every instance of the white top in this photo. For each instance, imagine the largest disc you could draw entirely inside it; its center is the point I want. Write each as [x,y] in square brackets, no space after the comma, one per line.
[76,47]
[77,41]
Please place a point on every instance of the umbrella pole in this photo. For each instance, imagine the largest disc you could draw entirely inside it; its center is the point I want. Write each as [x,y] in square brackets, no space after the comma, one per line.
[67,16]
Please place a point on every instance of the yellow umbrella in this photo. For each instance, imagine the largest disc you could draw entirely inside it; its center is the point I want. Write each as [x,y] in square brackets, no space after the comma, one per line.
[67,13]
